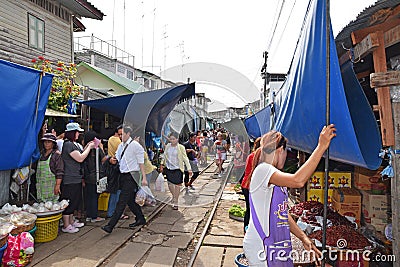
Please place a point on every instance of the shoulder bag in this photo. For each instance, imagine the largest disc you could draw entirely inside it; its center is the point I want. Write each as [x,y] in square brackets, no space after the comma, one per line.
[100,182]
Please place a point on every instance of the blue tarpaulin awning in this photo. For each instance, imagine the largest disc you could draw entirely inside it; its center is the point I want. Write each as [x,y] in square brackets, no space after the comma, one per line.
[23,104]
[145,111]
[258,123]
[300,104]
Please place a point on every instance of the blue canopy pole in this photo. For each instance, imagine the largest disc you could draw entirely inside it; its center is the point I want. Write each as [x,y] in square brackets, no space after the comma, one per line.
[34,124]
[328,90]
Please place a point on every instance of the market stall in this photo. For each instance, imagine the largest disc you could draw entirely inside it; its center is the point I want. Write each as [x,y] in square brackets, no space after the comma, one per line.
[303,106]
[21,227]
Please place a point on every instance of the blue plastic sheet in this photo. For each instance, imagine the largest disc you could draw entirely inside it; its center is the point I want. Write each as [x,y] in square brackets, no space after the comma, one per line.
[23,104]
[258,123]
[145,111]
[300,104]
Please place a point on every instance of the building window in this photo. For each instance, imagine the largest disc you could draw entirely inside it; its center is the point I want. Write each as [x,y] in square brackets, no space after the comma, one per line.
[129,75]
[36,32]
[146,83]
[121,69]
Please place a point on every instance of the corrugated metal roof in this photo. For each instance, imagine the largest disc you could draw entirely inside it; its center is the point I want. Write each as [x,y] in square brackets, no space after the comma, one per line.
[362,21]
[132,86]
[83,8]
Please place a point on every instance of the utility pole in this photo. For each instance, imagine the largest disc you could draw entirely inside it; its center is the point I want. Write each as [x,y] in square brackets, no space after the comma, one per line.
[395,188]
[165,36]
[264,75]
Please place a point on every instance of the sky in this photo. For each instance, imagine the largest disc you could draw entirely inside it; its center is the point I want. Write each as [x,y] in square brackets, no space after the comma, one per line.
[163,34]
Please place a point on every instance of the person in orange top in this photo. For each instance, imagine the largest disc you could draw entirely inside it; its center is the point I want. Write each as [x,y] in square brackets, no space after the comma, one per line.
[246,181]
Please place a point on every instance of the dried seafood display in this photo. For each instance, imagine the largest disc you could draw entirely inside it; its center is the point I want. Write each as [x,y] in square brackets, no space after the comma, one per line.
[342,236]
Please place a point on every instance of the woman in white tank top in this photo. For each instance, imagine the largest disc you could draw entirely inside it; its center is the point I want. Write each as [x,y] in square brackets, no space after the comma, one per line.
[267,240]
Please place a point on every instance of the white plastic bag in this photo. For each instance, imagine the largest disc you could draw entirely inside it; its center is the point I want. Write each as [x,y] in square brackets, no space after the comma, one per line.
[160,183]
[140,197]
[150,200]
[144,196]
[22,174]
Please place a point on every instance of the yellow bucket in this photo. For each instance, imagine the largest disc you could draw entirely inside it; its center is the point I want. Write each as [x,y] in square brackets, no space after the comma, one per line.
[47,228]
[103,201]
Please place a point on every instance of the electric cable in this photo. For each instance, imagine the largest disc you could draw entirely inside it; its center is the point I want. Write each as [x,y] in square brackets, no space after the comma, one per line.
[284,28]
[298,39]
[276,25]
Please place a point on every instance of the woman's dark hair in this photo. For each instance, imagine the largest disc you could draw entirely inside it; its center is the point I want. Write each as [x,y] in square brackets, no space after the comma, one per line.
[192,134]
[70,136]
[257,143]
[89,136]
[54,146]
[174,135]
[80,139]
[118,128]
[50,129]
[269,142]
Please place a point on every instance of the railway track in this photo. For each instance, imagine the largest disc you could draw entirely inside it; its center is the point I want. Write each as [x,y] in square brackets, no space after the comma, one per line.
[169,238]
[164,207]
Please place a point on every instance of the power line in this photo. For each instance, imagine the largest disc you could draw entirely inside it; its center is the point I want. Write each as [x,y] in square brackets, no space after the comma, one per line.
[276,25]
[152,50]
[301,30]
[124,26]
[284,29]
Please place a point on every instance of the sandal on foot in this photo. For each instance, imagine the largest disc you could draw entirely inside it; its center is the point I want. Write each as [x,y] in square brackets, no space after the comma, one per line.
[124,217]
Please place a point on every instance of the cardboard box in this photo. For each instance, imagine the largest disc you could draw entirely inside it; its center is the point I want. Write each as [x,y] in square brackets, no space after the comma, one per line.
[379,224]
[335,179]
[318,195]
[347,201]
[342,179]
[374,206]
[363,178]
[347,195]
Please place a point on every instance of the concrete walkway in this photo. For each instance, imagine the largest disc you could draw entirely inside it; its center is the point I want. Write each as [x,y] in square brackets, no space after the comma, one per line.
[156,244]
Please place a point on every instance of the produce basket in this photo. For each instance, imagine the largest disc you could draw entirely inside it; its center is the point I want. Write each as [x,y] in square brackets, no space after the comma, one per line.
[47,228]
[236,212]
[32,232]
[237,218]
[22,228]
[23,222]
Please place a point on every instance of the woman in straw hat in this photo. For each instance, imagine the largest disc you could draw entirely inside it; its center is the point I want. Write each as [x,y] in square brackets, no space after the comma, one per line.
[50,170]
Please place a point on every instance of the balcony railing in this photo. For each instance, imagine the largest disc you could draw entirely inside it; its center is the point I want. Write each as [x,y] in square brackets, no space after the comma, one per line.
[92,43]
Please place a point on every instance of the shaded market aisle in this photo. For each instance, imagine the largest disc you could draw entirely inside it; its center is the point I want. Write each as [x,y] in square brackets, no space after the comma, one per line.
[168,232]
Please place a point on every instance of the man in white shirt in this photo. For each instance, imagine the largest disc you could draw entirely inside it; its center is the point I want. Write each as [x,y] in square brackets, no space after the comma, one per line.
[130,156]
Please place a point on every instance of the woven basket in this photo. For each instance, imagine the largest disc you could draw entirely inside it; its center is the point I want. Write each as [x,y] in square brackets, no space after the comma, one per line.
[47,228]
[22,228]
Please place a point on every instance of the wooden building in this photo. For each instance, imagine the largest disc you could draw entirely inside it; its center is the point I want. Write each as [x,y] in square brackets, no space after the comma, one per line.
[372,42]
[32,28]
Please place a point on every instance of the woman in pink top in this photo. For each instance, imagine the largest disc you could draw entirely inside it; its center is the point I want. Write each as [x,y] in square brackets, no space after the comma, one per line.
[246,181]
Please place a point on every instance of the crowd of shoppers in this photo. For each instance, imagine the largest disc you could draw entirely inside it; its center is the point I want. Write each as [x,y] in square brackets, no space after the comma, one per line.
[71,164]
